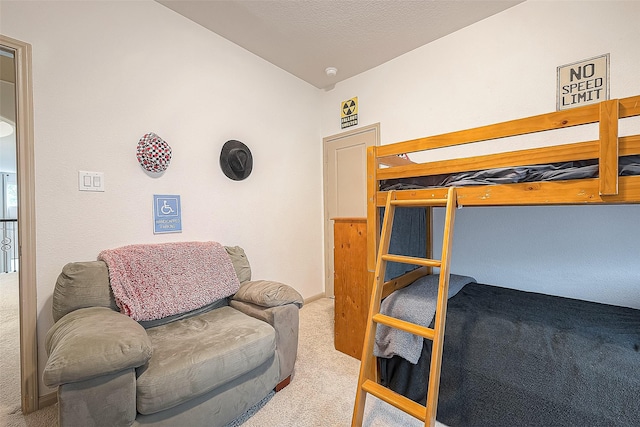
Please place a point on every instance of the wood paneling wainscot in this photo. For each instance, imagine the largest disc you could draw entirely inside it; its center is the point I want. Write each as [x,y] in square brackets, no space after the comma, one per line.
[352,286]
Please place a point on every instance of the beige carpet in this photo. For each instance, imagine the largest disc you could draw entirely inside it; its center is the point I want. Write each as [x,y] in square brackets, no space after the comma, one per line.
[9,343]
[321,393]
[10,411]
[323,388]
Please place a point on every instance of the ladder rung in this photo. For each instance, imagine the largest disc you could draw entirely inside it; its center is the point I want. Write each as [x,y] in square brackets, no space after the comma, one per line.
[412,328]
[399,401]
[412,260]
[420,202]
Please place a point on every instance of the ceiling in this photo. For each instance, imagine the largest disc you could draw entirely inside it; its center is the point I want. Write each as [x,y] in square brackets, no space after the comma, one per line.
[304,37]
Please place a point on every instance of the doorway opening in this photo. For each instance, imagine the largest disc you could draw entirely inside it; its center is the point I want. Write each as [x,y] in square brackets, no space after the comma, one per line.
[18,239]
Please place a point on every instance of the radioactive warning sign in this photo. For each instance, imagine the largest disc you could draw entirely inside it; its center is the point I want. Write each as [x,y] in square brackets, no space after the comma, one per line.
[349,113]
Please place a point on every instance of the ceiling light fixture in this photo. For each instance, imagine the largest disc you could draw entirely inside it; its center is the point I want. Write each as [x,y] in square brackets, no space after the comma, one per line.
[6,129]
[331,71]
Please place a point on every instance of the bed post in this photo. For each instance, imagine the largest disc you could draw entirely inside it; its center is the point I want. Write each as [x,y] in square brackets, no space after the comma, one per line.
[373,236]
[608,162]
[429,236]
[373,213]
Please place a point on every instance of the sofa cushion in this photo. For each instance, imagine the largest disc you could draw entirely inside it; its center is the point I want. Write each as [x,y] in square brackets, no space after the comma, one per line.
[81,285]
[91,342]
[240,262]
[157,322]
[195,355]
[267,293]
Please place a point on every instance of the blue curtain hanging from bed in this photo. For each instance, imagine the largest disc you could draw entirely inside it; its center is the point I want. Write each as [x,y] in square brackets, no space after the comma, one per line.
[408,237]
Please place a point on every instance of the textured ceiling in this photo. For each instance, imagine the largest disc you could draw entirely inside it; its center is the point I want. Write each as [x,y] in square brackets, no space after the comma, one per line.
[304,37]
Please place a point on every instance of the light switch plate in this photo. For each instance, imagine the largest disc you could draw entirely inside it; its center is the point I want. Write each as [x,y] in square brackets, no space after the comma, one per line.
[90,181]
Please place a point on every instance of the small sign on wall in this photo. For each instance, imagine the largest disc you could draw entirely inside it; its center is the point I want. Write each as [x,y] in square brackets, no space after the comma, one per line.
[583,83]
[167,214]
[349,113]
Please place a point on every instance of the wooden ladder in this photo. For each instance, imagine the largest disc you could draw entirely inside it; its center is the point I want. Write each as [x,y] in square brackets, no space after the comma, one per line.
[368,381]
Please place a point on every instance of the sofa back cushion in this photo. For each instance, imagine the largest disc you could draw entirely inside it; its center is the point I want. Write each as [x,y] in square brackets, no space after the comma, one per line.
[240,262]
[151,281]
[86,284]
[81,285]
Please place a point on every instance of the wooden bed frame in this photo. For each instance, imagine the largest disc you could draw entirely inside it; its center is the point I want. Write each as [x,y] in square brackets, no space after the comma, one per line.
[384,162]
[388,162]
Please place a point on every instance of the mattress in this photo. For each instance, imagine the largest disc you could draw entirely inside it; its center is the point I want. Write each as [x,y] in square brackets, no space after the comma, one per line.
[527,359]
[627,165]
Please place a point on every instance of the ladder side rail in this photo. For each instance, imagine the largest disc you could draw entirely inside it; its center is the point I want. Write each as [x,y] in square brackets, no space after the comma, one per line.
[441,312]
[367,364]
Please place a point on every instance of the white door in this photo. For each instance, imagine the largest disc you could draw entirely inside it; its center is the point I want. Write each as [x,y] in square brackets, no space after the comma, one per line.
[345,184]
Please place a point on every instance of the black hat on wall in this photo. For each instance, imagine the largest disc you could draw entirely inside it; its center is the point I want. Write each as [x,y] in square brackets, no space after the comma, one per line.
[236,160]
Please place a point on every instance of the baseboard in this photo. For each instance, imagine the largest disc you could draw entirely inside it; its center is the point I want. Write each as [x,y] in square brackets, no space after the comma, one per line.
[314,298]
[47,400]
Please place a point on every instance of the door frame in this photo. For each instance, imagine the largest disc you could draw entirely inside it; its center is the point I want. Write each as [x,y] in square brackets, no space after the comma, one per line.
[328,236]
[29,378]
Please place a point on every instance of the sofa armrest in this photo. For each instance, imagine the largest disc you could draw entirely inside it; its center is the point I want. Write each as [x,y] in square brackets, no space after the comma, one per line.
[285,320]
[267,293]
[109,401]
[91,342]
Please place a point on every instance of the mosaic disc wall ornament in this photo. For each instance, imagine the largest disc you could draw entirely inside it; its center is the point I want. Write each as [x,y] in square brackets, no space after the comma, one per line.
[154,154]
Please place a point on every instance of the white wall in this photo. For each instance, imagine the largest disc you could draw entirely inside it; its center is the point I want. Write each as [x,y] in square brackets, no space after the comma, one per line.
[500,69]
[106,73]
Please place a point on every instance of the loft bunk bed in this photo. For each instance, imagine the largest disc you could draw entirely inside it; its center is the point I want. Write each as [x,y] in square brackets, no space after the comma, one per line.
[513,357]
[388,163]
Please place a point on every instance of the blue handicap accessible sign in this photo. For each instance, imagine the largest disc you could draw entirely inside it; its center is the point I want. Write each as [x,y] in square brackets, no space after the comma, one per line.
[167,214]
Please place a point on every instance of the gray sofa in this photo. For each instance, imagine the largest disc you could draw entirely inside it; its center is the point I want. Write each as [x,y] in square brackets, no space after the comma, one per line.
[201,368]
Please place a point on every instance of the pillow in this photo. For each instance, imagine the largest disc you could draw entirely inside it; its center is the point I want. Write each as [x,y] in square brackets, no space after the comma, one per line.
[267,293]
[91,342]
[240,262]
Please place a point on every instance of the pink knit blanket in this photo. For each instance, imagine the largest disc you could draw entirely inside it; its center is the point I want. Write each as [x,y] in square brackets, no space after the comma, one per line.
[152,281]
